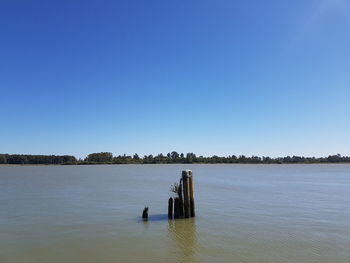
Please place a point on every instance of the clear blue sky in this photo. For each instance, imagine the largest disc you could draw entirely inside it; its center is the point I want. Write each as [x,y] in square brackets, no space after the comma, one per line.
[211,77]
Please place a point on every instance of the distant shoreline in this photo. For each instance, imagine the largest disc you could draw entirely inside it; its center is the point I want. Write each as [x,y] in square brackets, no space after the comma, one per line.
[107,158]
[96,164]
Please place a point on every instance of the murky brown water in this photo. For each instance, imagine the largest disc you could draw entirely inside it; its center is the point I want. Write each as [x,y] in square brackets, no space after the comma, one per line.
[245,213]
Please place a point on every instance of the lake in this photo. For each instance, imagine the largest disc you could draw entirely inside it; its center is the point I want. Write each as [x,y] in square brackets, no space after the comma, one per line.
[244,213]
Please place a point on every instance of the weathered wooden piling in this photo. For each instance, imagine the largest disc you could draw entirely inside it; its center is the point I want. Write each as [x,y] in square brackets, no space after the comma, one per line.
[186,193]
[170,208]
[193,214]
[181,202]
[182,206]
[145,214]
[176,208]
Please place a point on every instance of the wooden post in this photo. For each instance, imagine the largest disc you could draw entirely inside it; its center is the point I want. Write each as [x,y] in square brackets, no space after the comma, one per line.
[145,214]
[181,203]
[181,208]
[176,208]
[193,214]
[170,208]
[186,188]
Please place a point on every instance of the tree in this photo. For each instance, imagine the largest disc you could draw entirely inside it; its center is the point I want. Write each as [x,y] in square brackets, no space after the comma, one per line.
[3,159]
[174,155]
[102,157]
[334,158]
[190,157]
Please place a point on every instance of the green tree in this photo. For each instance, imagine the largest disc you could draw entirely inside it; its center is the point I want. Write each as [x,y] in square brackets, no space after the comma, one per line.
[102,157]
[174,155]
[3,159]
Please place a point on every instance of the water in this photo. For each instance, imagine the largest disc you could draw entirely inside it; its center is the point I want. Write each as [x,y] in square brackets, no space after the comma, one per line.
[245,213]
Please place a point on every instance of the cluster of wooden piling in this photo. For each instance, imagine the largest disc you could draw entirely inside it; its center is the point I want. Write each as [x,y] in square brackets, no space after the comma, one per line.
[183,206]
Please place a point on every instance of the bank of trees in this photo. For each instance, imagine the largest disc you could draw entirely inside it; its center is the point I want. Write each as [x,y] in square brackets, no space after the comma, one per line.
[36,159]
[170,158]
[177,158]
[103,157]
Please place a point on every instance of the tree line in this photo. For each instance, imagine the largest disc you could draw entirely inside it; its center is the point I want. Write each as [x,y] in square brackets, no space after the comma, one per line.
[36,159]
[170,158]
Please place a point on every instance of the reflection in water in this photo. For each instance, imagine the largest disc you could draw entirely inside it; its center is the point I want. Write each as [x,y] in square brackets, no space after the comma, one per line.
[155,217]
[183,233]
[158,217]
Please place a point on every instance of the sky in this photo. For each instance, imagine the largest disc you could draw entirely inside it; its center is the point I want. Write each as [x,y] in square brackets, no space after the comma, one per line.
[266,78]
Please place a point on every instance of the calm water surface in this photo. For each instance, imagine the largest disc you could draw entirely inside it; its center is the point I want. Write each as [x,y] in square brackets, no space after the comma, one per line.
[245,213]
